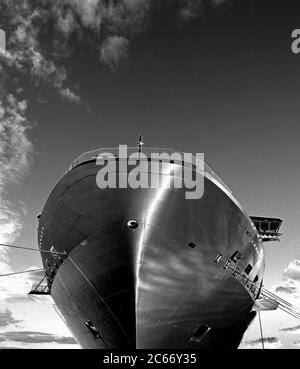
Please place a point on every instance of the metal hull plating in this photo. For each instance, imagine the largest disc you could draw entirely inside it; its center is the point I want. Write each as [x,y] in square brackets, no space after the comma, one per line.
[148,288]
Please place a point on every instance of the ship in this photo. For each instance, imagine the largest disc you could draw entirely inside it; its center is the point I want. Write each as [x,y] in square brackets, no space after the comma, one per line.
[145,268]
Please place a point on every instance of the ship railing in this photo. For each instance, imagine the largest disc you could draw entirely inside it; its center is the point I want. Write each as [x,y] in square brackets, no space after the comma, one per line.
[114,151]
[260,293]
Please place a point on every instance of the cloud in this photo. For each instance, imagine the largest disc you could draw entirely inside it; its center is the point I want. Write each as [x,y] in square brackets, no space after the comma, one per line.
[15,147]
[7,319]
[35,337]
[10,221]
[286,289]
[15,152]
[42,36]
[70,95]
[15,158]
[266,340]
[15,288]
[190,9]
[217,3]
[289,287]
[90,12]
[293,270]
[113,50]
[269,343]
[27,50]
[10,348]
[295,329]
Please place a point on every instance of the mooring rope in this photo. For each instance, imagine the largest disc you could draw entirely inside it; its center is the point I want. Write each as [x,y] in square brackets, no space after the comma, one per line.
[26,271]
[31,249]
[277,301]
[261,331]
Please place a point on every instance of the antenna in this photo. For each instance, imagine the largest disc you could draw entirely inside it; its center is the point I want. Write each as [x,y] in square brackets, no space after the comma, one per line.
[140,144]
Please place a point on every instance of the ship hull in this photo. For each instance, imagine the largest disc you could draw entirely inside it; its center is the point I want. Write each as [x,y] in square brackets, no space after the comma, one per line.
[155,286]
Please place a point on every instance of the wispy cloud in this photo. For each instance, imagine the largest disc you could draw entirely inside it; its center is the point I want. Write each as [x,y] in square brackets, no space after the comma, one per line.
[218,3]
[41,35]
[34,337]
[289,286]
[190,9]
[269,343]
[286,287]
[7,319]
[15,147]
[10,348]
[293,270]
[70,95]
[113,50]
[295,329]
[15,151]
[16,287]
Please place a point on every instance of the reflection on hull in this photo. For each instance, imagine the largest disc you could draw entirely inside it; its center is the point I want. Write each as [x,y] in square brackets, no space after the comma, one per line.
[155,286]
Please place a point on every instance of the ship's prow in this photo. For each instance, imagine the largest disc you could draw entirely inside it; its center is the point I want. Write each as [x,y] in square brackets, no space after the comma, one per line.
[140,270]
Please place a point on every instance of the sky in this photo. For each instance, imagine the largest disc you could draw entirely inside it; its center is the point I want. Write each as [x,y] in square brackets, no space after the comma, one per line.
[215,76]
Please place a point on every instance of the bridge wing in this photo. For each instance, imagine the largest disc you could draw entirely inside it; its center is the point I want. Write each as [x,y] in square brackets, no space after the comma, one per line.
[268,228]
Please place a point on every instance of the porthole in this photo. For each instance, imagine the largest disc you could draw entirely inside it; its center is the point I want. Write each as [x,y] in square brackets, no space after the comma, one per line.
[132,224]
